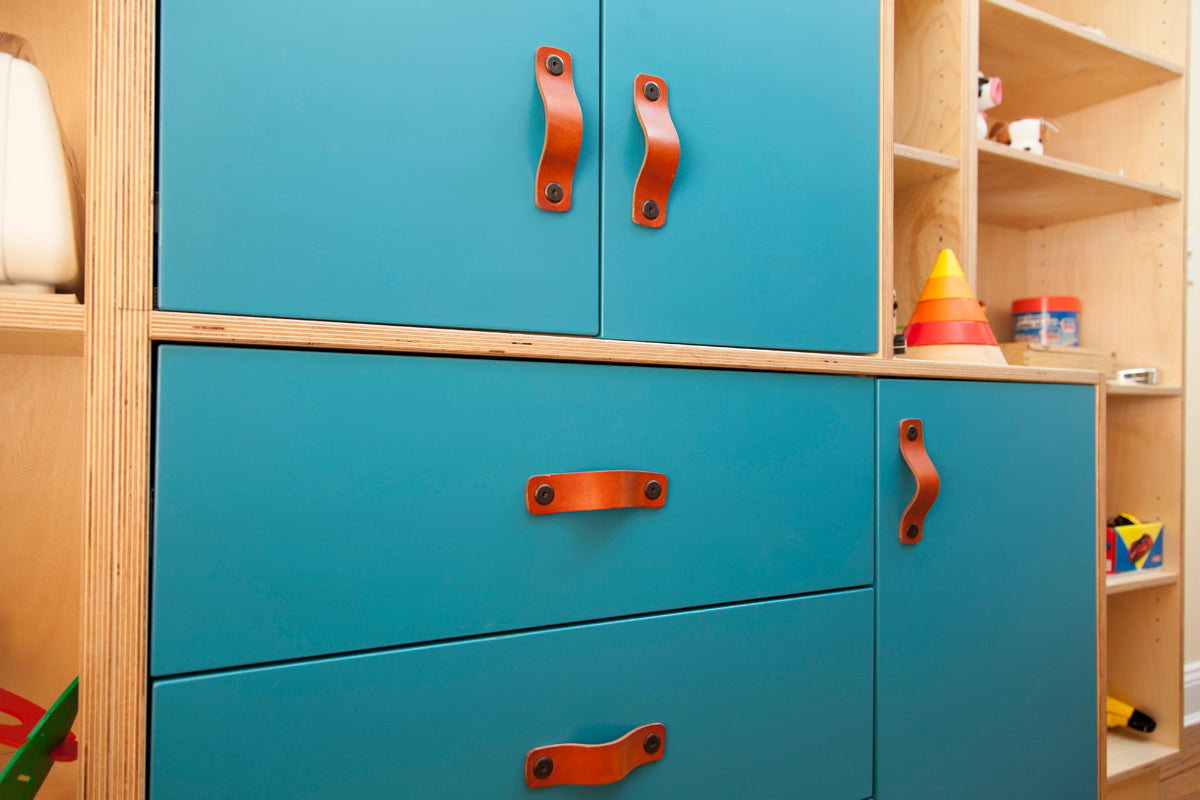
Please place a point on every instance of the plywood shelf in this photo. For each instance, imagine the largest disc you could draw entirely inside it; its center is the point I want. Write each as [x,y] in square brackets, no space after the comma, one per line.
[1130,753]
[1052,67]
[914,165]
[41,324]
[1132,581]
[1022,190]
[1116,389]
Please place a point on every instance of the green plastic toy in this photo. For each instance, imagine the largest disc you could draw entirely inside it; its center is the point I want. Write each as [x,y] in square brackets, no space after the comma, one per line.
[25,772]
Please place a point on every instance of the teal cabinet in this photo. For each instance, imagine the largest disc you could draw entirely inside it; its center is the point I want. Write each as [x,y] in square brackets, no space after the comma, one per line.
[376,163]
[766,700]
[313,503]
[986,628]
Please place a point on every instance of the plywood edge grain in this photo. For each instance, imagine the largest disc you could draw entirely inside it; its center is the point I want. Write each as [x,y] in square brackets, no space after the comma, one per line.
[173,326]
[40,327]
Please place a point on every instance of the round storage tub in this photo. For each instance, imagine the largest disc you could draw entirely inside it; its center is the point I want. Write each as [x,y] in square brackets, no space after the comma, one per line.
[1046,320]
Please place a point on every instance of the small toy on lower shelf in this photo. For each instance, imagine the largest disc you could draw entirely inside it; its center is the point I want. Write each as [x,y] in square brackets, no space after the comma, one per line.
[43,737]
[1121,714]
[1133,545]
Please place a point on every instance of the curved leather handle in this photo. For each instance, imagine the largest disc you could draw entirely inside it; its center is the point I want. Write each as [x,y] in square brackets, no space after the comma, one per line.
[912,447]
[653,185]
[594,491]
[564,129]
[595,764]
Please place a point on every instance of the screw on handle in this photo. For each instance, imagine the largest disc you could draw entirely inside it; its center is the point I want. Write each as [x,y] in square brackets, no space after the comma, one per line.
[652,188]
[912,447]
[595,491]
[564,130]
[595,764]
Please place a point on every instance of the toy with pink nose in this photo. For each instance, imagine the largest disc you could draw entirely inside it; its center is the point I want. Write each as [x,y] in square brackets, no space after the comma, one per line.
[990,95]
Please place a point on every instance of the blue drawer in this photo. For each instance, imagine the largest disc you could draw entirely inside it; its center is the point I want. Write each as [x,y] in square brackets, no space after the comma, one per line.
[767,700]
[313,503]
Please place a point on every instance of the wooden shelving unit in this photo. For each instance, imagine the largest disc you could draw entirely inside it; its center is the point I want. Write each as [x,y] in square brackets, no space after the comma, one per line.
[914,165]
[47,325]
[1023,190]
[1099,216]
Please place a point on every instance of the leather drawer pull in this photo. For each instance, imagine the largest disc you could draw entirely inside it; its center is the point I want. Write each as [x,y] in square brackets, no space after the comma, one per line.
[661,161]
[595,491]
[912,447]
[595,764]
[564,129]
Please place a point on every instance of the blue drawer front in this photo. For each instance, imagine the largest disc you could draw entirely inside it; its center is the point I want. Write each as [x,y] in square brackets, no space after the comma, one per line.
[373,162]
[311,503]
[769,700]
[772,227]
[987,627]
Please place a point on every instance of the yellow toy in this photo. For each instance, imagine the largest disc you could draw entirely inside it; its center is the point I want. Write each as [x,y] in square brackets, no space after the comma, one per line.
[1121,714]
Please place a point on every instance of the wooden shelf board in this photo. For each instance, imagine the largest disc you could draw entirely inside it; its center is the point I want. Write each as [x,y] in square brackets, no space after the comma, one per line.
[1116,389]
[1132,581]
[1129,754]
[1022,190]
[41,325]
[1051,67]
[914,165]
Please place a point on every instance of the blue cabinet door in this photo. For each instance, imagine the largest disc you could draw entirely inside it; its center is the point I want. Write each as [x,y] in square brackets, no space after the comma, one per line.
[986,674]
[311,503]
[373,161]
[767,700]
[771,232]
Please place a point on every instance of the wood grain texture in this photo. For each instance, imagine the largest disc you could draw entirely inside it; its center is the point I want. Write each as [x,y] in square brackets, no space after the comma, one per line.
[170,326]
[1052,67]
[41,505]
[929,103]
[41,326]
[914,165]
[1023,190]
[1143,786]
[1157,28]
[1180,775]
[887,175]
[929,218]
[119,251]
[1133,581]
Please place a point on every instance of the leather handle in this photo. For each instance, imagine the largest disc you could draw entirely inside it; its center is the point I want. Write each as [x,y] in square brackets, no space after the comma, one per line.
[595,764]
[564,129]
[912,447]
[653,185]
[595,491]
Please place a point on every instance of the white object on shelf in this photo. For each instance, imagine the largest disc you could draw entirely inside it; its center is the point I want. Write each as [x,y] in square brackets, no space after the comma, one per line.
[39,233]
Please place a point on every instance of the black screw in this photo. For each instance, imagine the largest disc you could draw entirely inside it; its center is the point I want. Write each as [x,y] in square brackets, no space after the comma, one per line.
[543,767]
[651,91]
[554,192]
[652,743]
[554,64]
[653,490]
[912,433]
[650,209]
[544,494]
[913,530]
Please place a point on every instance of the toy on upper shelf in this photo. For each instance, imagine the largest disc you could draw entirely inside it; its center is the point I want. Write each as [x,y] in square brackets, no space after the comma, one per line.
[948,323]
[40,237]
[1023,134]
[990,94]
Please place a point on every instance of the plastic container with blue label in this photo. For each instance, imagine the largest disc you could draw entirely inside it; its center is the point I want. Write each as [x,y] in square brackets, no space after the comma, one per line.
[1046,320]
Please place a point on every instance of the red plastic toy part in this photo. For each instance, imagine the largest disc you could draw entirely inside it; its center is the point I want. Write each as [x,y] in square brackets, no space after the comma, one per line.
[28,715]
[595,764]
[912,447]
[564,129]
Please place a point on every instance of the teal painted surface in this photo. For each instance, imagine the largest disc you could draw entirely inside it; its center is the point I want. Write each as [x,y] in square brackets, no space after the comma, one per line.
[311,503]
[762,701]
[771,235]
[373,161]
[987,627]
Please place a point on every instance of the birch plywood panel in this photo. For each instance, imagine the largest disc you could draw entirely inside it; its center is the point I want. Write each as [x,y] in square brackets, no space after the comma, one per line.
[928,99]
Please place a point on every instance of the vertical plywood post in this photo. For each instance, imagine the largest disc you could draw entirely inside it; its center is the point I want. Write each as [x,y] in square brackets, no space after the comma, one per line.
[119,253]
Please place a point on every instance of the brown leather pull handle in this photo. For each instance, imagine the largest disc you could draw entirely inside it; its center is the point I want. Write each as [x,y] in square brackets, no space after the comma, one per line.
[912,447]
[564,129]
[594,491]
[653,185]
[595,764]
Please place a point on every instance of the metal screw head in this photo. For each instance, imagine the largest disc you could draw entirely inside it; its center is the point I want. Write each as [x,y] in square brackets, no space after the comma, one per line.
[651,91]
[652,743]
[912,433]
[653,490]
[650,209]
[543,767]
[544,494]
[554,192]
[912,530]
[554,64]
